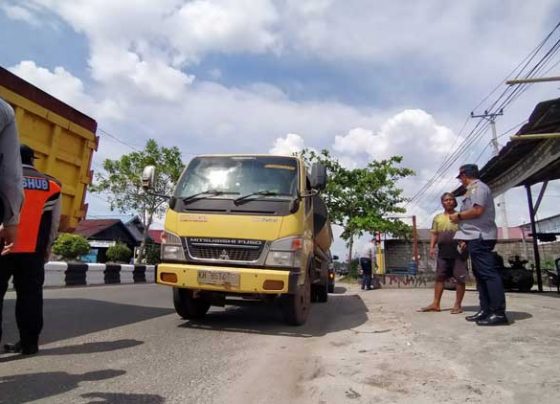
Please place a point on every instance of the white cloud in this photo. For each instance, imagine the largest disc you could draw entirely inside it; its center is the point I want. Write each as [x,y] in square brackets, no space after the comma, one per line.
[59,83]
[216,74]
[142,53]
[357,141]
[66,87]
[288,145]
[228,26]
[455,44]
[382,31]
[20,14]
[413,134]
[169,32]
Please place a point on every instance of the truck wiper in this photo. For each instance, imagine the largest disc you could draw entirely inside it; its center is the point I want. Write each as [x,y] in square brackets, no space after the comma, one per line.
[254,195]
[209,192]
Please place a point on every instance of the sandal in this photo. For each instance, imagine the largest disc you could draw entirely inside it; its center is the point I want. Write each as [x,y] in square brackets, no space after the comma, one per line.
[456,311]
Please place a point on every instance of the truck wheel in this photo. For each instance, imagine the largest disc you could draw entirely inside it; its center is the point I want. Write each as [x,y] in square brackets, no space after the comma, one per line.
[296,307]
[314,294]
[187,306]
[322,293]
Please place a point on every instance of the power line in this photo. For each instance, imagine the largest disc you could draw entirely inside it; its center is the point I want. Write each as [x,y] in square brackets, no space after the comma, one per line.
[505,99]
[448,182]
[118,140]
[132,147]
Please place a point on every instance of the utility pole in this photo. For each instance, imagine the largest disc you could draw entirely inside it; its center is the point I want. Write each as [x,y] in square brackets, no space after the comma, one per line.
[491,117]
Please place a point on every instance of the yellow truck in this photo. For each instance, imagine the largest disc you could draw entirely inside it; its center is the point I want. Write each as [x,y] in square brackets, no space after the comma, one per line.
[63,138]
[242,228]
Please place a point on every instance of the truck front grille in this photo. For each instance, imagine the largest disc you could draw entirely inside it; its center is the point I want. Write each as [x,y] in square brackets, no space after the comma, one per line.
[224,249]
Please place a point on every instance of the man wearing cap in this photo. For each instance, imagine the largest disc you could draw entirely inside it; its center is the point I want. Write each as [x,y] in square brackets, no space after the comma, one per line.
[11,189]
[38,227]
[478,233]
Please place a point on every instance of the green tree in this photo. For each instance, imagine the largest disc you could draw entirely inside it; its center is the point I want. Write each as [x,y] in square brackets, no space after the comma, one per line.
[119,253]
[363,200]
[70,246]
[153,253]
[121,182]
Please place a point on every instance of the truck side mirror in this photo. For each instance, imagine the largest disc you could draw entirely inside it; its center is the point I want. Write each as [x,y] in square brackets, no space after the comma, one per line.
[148,177]
[335,257]
[318,176]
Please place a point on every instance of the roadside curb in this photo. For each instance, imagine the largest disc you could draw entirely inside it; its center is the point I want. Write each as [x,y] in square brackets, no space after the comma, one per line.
[59,273]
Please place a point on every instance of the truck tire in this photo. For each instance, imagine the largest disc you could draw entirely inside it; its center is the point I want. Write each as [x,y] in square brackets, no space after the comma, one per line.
[187,306]
[321,293]
[295,308]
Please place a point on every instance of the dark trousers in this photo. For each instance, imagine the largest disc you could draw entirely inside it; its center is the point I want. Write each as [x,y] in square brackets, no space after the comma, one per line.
[366,280]
[28,273]
[488,281]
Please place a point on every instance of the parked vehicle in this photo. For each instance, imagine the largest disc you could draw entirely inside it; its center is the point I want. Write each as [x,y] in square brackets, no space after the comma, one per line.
[246,227]
[342,269]
[516,276]
[63,138]
[332,273]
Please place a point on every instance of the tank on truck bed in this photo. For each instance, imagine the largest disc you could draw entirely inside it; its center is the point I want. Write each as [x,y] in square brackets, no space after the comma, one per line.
[63,138]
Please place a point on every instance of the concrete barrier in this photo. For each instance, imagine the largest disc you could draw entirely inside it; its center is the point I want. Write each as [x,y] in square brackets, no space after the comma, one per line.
[95,274]
[59,273]
[127,271]
[139,274]
[112,273]
[75,274]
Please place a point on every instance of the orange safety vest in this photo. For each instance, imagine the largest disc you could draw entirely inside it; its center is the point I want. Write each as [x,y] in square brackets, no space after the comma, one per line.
[41,194]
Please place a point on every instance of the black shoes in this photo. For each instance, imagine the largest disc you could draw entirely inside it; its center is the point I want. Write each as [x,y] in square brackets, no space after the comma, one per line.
[478,316]
[493,319]
[485,318]
[12,348]
[31,349]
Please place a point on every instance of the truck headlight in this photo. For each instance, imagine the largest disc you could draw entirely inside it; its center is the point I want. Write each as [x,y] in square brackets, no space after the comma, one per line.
[171,247]
[285,252]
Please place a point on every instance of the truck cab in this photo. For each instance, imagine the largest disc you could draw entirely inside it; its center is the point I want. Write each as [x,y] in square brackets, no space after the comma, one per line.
[244,227]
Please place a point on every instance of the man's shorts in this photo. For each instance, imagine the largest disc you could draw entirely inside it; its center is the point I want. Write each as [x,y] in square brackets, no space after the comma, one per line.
[451,268]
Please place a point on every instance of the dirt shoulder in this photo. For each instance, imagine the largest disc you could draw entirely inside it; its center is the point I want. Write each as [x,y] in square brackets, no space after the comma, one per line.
[372,346]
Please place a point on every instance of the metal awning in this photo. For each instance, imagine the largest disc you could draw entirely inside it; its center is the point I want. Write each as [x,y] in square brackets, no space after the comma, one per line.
[529,160]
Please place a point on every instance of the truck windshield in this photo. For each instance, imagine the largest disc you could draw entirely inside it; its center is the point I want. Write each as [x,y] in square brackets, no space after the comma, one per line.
[229,177]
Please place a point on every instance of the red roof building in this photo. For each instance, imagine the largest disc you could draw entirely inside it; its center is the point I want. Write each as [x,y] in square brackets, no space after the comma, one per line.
[155,235]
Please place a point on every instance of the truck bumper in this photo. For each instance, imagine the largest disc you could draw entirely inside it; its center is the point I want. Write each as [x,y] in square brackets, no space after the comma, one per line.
[234,280]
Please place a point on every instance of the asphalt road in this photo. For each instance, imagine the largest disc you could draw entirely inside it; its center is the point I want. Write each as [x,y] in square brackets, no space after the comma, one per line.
[125,344]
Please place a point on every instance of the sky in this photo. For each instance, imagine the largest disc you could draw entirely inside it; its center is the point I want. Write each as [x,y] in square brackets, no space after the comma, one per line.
[364,79]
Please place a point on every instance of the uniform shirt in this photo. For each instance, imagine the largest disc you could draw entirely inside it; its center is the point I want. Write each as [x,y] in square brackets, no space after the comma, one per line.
[483,226]
[445,230]
[370,251]
[11,177]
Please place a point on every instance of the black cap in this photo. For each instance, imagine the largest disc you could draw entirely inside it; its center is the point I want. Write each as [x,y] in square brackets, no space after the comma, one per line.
[470,170]
[27,154]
